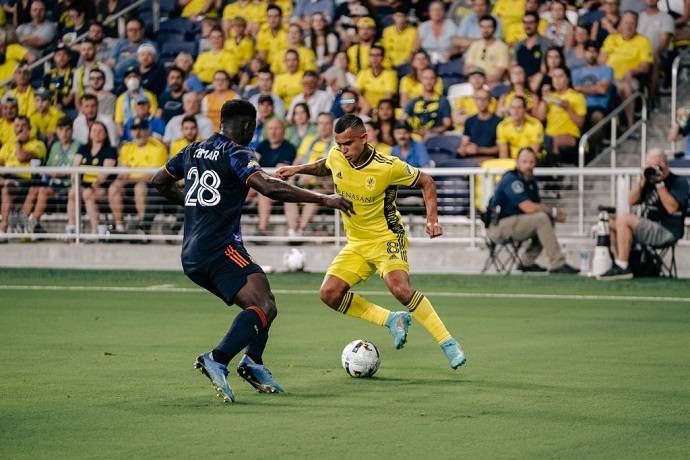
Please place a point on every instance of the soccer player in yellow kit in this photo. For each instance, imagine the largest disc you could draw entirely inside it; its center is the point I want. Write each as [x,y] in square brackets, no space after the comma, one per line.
[376,236]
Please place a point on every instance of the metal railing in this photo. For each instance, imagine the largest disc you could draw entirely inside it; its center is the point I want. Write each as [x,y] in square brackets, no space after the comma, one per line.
[462,227]
[681,61]
[48,57]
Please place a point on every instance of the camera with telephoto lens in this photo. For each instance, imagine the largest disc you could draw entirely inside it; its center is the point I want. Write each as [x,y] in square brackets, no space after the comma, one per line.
[652,173]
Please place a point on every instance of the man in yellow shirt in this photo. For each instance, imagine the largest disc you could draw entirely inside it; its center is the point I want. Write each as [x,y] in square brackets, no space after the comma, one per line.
[190,133]
[375,82]
[489,53]
[143,152]
[289,84]
[254,11]
[19,153]
[465,106]
[519,130]
[376,238]
[46,117]
[217,58]
[399,38]
[510,13]
[629,54]
[272,37]
[23,92]
[358,54]
[238,43]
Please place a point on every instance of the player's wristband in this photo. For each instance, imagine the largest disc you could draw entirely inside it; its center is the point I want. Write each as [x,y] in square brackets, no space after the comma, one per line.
[554,212]
[659,185]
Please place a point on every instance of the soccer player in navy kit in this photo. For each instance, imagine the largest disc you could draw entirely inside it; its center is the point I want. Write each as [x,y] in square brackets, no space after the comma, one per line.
[218,173]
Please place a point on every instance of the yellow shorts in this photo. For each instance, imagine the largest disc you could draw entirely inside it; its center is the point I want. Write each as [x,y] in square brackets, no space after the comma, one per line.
[357,261]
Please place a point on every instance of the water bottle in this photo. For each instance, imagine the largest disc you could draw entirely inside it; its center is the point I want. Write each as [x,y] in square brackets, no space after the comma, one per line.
[585,263]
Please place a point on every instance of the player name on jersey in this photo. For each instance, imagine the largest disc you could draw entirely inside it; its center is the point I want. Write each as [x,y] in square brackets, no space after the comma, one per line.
[206,154]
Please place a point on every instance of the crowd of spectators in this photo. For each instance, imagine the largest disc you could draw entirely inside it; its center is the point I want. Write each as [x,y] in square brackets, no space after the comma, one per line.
[500,77]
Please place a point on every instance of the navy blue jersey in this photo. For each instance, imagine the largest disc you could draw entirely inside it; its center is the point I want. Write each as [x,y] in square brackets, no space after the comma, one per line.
[512,190]
[215,172]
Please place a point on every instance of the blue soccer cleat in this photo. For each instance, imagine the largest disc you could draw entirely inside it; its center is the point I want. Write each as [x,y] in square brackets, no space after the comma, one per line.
[456,357]
[217,373]
[258,376]
[397,323]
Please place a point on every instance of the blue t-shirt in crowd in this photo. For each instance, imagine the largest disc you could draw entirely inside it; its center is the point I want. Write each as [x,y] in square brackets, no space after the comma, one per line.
[270,157]
[156,125]
[586,76]
[417,156]
[482,132]
[512,190]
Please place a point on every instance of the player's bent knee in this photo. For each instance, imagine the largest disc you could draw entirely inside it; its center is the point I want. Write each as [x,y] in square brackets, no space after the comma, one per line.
[403,293]
[331,296]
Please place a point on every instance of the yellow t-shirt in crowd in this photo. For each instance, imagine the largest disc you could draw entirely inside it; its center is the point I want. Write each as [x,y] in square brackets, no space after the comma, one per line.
[120,105]
[414,88]
[241,52]
[469,107]
[516,32]
[490,59]
[358,57]
[369,187]
[209,62]
[510,12]
[14,54]
[193,8]
[26,100]
[399,44]
[177,145]
[288,85]
[46,124]
[558,122]
[271,44]
[624,55]
[7,132]
[307,60]
[9,158]
[153,154]
[313,148]
[375,87]
[251,11]
[529,134]
[530,99]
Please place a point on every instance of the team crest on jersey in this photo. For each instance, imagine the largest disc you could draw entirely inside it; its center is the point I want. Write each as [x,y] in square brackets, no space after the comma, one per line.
[370,183]
[253,164]
[517,187]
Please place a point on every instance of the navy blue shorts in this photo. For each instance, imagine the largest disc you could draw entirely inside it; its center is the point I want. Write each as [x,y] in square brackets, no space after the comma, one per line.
[225,275]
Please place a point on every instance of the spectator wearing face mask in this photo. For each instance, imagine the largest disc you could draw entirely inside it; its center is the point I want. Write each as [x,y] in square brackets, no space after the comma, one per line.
[126,102]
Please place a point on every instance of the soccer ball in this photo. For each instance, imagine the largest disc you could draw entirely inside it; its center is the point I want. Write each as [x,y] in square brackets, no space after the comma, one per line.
[293,260]
[360,358]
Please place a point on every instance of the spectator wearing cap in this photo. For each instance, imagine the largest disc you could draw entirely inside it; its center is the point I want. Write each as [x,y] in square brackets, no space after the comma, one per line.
[143,151]
[88,114]
[170,102]
[273,35]
[87,63]
[213,101]
[399,39]
[23,92]
[264,87]
[375,82]
[488,53]
[430,113]
[407,149]
[19,154]
[39,33]
[151,72]
[305,9]
[317,100]
[125,52]
[190,133]
[191,106]
[518,131]
[530,52]
[436,35]
[469,31]
[60,154]
[289,83]
[46,116]
[217,58]
[142,111]
[359,53]
[479,135]
[106,98]
[466,106]
[126,102]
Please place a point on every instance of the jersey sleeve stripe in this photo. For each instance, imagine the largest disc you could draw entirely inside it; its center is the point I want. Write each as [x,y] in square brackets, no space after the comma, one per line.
[416,179]
[171,174]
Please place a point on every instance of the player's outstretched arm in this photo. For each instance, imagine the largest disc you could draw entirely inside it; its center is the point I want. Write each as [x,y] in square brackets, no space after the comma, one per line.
[428,186]
[167,186]
[318,168]
[282,191]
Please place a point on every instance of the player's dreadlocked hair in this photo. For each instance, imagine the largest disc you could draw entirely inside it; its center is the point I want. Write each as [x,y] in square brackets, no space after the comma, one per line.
[349,121]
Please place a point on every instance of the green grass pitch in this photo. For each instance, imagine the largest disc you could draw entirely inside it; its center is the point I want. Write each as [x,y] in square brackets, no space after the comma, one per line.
[103,374]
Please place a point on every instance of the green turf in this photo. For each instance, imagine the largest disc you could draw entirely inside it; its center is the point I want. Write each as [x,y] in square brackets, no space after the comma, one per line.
[109,374]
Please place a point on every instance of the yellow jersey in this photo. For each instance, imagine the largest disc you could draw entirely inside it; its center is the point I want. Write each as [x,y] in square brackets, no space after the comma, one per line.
[26,101]
[624,55]
[372,187]
[153,154]
[209,62]
[271,44]
[529,134]
[313,148]
[558,122]
[358,57]
[288,85]
[121,101]
[530,99]
[375,87]
[510,12]
[194,7]
[251,11]
[399,44]
[469,106]
[241,52]
[414,88]
[46,124]
[177,146]
[307,60]
[7,135]
[9,158]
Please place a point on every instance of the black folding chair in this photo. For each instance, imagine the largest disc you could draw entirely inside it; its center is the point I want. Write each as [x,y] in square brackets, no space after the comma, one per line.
[665,258]
[504,255]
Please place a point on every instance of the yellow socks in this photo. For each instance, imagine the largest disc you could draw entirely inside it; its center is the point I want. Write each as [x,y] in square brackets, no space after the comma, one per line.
[359,307]
[424,312]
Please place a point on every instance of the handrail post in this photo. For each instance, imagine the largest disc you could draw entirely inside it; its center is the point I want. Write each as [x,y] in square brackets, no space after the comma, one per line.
[473,213]
[614,140]
[643,135]
[77,206]
[581,184]
[674,94]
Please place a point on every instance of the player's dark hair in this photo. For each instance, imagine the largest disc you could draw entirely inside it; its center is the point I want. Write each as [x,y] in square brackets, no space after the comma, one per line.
[349,121]
[488,17]
[238,121]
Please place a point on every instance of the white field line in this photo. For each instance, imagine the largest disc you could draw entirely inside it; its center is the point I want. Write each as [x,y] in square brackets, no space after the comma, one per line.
[486,295]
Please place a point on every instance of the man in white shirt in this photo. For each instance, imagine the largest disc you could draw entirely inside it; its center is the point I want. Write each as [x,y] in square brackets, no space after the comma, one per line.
[191,106]
[88,113]
[317,100]
[658,27]
[38,33]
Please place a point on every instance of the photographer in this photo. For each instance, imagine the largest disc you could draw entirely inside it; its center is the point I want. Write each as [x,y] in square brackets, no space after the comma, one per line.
[522,216]
[663,197]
